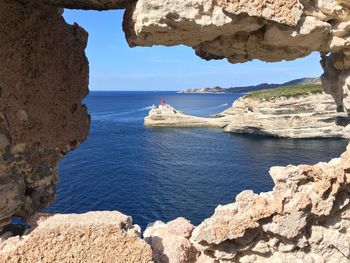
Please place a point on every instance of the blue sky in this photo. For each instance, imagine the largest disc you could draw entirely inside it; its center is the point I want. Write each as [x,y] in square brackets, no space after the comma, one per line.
[115,66]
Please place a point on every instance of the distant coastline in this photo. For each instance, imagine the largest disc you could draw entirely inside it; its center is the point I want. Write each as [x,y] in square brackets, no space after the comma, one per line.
[246,89]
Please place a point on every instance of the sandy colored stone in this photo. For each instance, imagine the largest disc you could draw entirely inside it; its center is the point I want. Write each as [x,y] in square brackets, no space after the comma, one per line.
[43,80]
[167,116]
[307,116]
[89,238]
[304,219]
[170,242]
[243,30]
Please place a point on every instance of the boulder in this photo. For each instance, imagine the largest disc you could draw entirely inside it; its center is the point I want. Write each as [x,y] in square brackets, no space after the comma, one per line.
[170,242]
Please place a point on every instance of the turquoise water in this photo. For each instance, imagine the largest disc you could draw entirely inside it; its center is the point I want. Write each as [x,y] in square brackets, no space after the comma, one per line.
[162,173]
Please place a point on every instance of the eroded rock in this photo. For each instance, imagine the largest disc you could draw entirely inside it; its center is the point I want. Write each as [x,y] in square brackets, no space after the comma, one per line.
[304,116]
[170,242]
[304,219]
[43,79]
[244,30]
[90,237]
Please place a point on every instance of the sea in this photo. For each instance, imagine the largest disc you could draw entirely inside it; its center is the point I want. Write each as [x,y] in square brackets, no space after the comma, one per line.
[162,173]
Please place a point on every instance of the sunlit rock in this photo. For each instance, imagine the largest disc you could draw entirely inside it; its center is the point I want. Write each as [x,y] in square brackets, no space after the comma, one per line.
[244,30]
[90,237]
[170,242]
[305,217]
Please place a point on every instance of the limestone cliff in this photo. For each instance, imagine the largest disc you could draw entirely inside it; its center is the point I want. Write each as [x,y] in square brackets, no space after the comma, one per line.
[167,116]
[306,116]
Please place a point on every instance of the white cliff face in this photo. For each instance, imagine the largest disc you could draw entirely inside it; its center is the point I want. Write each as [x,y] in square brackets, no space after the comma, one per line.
[167,116]
[307,116]
[243,30]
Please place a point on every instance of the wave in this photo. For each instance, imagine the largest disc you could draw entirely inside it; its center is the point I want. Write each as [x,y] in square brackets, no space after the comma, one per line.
[111,114]
[213,108]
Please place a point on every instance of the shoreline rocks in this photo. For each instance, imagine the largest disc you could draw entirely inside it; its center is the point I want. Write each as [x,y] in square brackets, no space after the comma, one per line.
[306,116]
[167,116]
[305,218]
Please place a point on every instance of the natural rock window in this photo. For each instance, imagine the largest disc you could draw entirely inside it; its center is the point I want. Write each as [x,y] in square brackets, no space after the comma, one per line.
[44,78]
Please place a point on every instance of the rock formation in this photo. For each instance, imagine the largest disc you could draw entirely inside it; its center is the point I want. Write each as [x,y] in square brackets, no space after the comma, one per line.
[242,30]
[170,242]
[307,116]
[167,116]
[305,218]
[43,79]
[304,116]
[91,237]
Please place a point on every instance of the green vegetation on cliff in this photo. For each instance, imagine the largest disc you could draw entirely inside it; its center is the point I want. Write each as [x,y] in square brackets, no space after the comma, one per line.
[288,91]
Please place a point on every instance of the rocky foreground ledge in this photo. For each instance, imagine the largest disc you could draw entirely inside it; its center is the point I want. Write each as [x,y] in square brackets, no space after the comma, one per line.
[305,218]
[302,116]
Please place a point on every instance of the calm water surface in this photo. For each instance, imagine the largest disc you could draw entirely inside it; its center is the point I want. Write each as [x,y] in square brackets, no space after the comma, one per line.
[162,173]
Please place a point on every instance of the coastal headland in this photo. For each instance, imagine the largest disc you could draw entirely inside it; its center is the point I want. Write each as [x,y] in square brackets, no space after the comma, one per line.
[302,111]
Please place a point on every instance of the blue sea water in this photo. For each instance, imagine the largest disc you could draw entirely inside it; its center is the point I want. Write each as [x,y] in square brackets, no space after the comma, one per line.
[162,173]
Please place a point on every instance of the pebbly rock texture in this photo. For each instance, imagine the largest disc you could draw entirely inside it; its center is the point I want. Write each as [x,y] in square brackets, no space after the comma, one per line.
[170,242]
[305,218]
[307,116]
[91,237]
[242,30]
[43,79]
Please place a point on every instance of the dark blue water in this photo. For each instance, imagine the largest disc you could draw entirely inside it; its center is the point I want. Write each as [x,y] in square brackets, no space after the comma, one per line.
[162,173]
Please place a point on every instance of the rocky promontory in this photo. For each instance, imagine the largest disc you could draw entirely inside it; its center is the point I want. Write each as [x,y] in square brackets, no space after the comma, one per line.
[301,116]
[288,112]
[167,116]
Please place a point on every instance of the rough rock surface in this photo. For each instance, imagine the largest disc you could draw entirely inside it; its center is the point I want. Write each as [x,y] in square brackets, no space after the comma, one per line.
[43,79]
[170,242]
[307,116]
[243,30]
[91,237]
[305,218]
